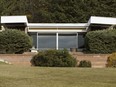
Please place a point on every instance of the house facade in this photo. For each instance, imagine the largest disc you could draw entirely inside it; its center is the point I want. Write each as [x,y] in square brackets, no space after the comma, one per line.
[56,35]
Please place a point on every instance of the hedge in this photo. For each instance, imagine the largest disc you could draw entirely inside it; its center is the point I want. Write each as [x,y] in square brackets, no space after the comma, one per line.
[101,41]
[14,41]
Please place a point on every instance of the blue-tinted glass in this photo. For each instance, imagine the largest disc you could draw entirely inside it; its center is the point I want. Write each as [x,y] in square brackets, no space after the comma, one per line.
[81,41]
[46,41]
[67,41]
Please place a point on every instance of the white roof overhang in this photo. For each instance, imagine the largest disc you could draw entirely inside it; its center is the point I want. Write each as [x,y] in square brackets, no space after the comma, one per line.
[14,19]
[57,25]
[74,27]
[57,31]
[102,20]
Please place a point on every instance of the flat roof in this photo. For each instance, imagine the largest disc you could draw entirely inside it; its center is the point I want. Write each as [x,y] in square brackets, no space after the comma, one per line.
[93,20]
[14,19]
[102,20]
[57,25]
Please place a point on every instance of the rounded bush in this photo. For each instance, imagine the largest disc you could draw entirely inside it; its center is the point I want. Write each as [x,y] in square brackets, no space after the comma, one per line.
[54,58]
[85,63]
[111,60]
[14,41]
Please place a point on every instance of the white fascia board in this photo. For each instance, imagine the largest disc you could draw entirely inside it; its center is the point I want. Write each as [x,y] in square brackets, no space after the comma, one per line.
[57,25]
[102,20]
[57,31]
[14,19]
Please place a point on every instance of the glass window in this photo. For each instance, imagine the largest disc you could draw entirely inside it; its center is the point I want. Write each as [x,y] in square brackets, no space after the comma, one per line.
[67,41]
[81,40]
[34,39]
[46,41]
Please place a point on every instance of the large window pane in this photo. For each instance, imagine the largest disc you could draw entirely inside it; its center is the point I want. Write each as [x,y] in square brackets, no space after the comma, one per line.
[81,40]
[34,39]
[46,41]
[67,41]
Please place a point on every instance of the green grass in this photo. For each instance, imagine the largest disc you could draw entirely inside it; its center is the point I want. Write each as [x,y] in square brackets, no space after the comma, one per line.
[1,63]
[19,76]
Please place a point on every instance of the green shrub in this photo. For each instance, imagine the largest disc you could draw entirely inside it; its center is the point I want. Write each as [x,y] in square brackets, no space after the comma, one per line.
[14,41]
[54,58]
[85,63]
[101,41]
[111,60]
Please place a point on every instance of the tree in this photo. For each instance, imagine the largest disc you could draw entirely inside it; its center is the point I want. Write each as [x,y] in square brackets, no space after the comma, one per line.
[58,11]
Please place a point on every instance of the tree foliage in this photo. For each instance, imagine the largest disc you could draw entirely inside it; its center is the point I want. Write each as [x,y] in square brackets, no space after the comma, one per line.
[57,11]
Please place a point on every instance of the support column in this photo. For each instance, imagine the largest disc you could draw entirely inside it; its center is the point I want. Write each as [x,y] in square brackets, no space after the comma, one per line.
[77,40]
[56,41]
[26,30]
[2,28]
[37,41]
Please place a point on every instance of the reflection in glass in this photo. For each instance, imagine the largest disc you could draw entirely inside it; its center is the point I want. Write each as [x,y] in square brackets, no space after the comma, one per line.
[67,41]
[81,41]
[34,40]
[46,42]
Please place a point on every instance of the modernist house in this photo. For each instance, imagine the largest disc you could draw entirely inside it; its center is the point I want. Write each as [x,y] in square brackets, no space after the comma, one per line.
[56,35]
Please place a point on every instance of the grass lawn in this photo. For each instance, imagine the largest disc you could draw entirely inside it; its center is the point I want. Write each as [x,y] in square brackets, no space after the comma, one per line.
[18,76]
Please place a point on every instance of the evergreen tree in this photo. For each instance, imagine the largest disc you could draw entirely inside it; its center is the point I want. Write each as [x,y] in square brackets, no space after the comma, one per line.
[58,11]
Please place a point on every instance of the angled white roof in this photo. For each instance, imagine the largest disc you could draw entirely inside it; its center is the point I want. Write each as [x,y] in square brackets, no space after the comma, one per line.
[57,25]
[14,19]
[102,20]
